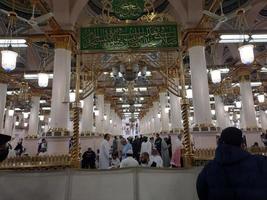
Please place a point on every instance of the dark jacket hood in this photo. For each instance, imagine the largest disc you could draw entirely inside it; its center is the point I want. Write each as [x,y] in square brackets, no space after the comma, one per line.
[229,155]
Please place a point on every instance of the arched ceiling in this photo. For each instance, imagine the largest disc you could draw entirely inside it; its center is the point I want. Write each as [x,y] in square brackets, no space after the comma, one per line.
[75,13]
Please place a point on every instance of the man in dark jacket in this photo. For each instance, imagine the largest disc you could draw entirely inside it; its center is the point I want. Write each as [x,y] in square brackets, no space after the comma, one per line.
[234,173]
[89,158]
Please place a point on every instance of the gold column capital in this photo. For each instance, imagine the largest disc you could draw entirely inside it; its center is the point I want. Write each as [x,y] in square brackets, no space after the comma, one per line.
[196,38]
[243,74]
[64,41]
[100,91]
[162,89]
[173,72]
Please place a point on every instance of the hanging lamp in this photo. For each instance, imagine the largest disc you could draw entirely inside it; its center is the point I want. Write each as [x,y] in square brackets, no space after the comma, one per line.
[9,59]
[9,56]
[215,76]
[246,52]
[43,78]
[261,98]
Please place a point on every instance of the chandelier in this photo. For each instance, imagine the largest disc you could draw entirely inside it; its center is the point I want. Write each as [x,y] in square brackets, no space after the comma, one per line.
[9,56]
[245,50]
[43,78]
[215,76]
[246,53]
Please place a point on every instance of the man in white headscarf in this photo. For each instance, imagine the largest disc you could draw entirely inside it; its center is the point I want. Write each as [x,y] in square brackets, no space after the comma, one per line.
[104,155]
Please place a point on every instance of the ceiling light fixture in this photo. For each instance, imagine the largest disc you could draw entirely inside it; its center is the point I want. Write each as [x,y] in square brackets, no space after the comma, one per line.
[11,112]
[246,52]
[261,98]
[216,76]
[43,78]
[9,56]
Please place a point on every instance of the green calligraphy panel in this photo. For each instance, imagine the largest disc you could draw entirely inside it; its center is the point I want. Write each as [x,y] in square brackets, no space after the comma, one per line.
[126,37]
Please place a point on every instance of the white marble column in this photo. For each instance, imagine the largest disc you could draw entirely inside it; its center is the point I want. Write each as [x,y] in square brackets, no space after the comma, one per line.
[3,91]
[34,116]
[87,114]
[100,117]
[119,126]
[106,121]
[220,112]
[47,123]
[156,118]
[152,120]
[242,119]
[164,115]
[199,80]
[247,100]
[60,90]
[112,114]
[227,120]
[8,123]
[263,119]
[176,113]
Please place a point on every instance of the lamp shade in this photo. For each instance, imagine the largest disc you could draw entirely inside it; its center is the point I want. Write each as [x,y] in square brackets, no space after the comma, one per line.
[215,76]
[43,79]
[72,97]
[41,117]
[189,93]
[261,98]
[96,111]
[9,59]
[11,112]
[167,109]
[238,104]
[246,54]
[25,115]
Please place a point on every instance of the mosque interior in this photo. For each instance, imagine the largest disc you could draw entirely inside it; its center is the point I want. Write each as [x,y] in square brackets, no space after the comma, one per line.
[74,70]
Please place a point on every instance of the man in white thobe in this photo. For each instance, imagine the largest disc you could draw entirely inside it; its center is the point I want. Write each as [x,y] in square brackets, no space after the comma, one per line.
[104,154]
[129,161]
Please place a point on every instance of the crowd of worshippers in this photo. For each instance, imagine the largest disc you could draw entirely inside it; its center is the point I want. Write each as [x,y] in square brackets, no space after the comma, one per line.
[133,152]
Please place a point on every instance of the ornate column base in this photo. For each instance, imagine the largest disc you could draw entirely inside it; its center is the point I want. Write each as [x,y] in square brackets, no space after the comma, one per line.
[89,134]
[177,131]
[31,137]
[205,127]
[255,129]
[188,160]
[57,132]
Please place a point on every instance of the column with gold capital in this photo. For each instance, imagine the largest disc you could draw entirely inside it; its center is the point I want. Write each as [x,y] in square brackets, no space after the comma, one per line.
[100,112]
[3,91]
[164,111]
[247,100]
[107,118]
[87,115]
[157,116]
[61,83]
[199,79]
[220,112]
[175,105]
[34,116]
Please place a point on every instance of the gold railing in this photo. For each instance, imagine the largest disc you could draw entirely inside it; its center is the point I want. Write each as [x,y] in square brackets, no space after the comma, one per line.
[202,156]
[36,162]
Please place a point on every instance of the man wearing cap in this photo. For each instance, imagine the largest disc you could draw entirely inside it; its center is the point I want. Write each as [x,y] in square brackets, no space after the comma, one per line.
[129,161]
[234,173]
